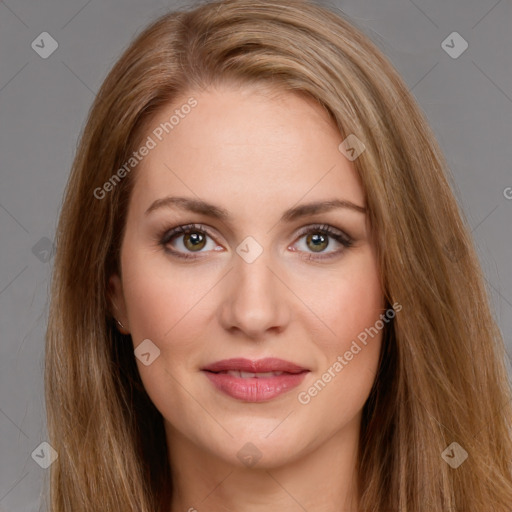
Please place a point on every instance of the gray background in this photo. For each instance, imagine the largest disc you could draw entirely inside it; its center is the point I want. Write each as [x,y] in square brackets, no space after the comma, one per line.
[43,106]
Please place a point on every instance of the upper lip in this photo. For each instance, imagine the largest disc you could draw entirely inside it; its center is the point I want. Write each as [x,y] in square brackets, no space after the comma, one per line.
[268,364]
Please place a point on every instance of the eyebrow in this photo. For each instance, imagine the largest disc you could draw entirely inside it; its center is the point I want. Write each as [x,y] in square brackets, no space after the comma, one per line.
[202,207]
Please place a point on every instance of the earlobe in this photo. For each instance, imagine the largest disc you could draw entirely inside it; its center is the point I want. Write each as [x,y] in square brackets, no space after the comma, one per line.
[117,303]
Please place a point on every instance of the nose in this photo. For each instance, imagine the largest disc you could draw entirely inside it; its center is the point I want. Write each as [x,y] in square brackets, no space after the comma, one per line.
[255,299]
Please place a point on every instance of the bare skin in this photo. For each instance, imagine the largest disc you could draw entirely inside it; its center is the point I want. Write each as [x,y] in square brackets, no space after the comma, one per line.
[302,300]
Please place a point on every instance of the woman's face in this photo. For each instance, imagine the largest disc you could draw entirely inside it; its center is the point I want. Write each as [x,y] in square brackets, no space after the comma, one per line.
[257,277]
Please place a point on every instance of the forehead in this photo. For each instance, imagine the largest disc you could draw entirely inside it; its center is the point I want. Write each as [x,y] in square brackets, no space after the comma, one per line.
[245,148]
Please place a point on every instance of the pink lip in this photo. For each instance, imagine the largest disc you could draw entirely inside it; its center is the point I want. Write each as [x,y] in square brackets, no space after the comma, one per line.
[268,364]
[254,389]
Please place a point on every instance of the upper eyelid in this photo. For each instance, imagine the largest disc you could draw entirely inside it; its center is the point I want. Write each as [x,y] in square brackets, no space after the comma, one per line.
[322,227]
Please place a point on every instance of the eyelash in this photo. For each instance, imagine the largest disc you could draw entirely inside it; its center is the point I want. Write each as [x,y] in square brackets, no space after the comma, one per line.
[168,234]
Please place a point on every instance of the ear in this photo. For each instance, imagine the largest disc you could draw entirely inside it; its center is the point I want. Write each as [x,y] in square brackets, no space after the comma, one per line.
[117,303]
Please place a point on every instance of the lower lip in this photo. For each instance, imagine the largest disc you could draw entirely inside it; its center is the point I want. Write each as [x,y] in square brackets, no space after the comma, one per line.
[253,389]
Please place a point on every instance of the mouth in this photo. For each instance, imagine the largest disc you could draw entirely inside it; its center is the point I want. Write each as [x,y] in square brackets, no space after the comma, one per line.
[254,381]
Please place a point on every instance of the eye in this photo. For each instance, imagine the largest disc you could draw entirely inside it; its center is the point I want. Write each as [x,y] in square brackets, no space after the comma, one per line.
[183,241]
[317,239]
[190,238]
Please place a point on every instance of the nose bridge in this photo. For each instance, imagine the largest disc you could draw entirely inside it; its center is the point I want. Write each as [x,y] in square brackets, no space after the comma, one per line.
[255,301]
[255,278]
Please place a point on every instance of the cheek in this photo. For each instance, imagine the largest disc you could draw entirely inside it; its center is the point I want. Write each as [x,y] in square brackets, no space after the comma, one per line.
[158,293]
[350,307]
[346,301]
[166,306]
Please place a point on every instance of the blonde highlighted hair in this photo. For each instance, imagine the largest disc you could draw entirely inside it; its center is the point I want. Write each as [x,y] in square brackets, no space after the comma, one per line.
[442,377]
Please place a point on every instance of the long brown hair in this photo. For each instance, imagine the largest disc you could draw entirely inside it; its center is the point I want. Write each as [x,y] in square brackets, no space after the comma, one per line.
[442,377]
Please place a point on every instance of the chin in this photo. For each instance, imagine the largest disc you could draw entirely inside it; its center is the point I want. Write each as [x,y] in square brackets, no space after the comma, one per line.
[263,450]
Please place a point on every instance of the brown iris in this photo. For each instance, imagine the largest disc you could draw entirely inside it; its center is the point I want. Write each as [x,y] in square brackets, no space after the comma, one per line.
[194,240]
[320,242]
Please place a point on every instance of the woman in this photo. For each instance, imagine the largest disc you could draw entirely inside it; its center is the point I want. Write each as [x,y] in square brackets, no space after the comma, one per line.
[264,295]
